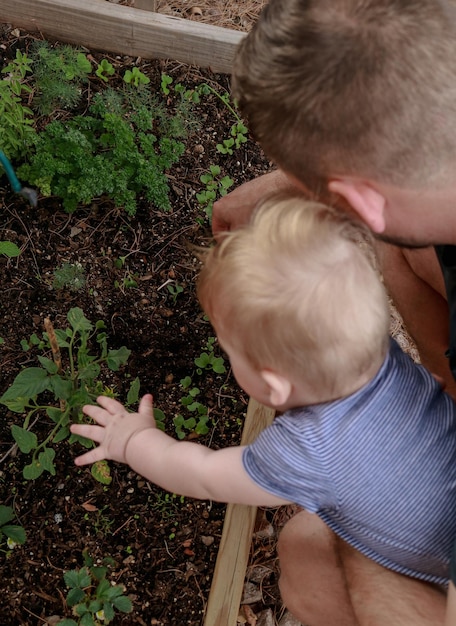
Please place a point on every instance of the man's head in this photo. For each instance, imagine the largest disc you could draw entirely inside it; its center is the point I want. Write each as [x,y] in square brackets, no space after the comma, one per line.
[295,293]
[364,89]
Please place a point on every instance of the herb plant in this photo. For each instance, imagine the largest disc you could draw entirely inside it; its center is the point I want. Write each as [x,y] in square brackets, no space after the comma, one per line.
[94,600]
[59,73]
[112,152]
[16,120]
[59,387]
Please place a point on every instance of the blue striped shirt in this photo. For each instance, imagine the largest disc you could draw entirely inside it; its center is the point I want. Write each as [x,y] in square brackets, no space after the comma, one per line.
[378,467]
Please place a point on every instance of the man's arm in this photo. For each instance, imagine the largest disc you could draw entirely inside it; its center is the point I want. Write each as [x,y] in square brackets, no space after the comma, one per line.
[235,209]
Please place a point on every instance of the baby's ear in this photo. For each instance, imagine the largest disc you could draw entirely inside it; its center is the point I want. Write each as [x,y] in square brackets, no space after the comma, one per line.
[279,387]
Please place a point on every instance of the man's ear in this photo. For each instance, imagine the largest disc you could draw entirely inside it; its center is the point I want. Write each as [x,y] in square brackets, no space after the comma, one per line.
[279,387]
[368,203]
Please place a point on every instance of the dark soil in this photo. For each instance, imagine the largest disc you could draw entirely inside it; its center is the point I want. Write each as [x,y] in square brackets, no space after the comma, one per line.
[164,548]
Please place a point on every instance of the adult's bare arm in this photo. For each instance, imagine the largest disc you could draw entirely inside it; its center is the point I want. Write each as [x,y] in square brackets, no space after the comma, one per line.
[235,208]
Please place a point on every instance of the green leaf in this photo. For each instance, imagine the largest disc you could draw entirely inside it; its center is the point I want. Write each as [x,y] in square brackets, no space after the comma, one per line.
[9,249]
[87,620]
[6,514]
[98,572]
[18,405]
[49,365]
[27,384]
[89,372]
[102,588]
[122,603]
[32,471]
[116,358]
[46,460]
[75,594]
[61,434]
[16,533]
[54,413]
[133,392]
[101,471]
[108,611]
[78,320]
[25,439]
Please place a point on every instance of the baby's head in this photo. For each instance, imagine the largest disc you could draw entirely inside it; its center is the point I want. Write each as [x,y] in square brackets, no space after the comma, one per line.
[296,293]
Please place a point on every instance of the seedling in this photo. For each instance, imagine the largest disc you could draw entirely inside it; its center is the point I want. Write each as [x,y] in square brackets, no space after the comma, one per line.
[135,77]
[197,423]
[104,70]
[13,533]
[94,600]
[72,380]
[165,81]
[215,184]
[174,290]
[70,276]
[208,361]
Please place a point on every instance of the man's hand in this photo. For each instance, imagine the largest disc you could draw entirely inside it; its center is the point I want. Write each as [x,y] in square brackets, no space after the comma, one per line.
[116,428]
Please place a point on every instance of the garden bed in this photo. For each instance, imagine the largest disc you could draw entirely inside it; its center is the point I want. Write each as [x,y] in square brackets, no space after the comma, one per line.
[136,274]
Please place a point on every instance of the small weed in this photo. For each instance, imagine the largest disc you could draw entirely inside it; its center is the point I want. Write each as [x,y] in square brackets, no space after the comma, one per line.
[13,533]
[174,290]
[104,70]
[208,361]
[167,504]
[197,423]
[214,184]
[94,600]
[70,276]
[135,77]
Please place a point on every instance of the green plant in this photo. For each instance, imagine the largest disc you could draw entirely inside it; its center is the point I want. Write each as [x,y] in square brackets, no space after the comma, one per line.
[208,361]
[165,82]
[136,77]
[167,504]
[59,72]
[16,120]
[9,249]
[69,275]
[113,151]
[13,533]
[70,383]
[214,184]
[174,290]
[104,70]
[94,600]
[197,423]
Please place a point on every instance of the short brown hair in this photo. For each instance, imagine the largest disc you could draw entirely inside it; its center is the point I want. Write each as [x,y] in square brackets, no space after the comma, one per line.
[295,292]
[361,87]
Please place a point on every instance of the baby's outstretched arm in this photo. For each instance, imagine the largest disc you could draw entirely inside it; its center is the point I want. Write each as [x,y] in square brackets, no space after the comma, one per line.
[181,467]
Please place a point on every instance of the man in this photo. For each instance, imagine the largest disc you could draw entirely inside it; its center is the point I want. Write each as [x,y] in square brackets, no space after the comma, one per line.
[355,101]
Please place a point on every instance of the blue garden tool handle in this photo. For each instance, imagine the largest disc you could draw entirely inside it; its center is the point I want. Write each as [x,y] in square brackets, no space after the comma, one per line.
[15,184]
[26,192]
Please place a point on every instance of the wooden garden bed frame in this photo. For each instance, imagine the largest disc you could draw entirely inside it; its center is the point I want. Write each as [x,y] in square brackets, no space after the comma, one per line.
[139,32]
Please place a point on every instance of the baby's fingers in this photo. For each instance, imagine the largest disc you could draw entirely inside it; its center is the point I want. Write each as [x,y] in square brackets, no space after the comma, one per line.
[90,457]
[96,433]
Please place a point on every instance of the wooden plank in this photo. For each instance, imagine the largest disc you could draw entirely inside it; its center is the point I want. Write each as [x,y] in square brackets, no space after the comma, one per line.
[146,5]
[233,555]
[102,25]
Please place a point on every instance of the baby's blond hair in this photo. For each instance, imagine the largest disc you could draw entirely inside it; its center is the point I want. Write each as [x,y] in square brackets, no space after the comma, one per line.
[296,293]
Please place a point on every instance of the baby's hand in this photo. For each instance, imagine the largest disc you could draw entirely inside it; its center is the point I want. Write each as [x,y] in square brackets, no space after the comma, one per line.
[116,427]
